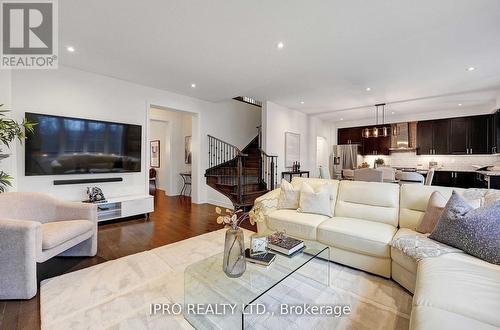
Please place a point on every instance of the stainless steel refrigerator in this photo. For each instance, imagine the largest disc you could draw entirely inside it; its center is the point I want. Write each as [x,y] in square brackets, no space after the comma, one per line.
[345,156]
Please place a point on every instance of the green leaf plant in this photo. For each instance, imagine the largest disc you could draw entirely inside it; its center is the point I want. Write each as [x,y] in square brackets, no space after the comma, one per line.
[9,131]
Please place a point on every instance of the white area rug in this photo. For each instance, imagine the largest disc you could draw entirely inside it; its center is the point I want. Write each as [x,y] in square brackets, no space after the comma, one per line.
[117,294]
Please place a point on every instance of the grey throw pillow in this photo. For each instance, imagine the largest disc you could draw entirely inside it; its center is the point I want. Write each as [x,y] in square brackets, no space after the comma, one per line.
[474,231]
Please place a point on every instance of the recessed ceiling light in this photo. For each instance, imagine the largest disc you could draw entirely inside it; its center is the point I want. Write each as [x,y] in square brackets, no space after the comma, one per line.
[70,49]
[393,113]
[280,45]
[471,68]
[460,104]
[341,118]
[368,89]
[301,102]
[193,85]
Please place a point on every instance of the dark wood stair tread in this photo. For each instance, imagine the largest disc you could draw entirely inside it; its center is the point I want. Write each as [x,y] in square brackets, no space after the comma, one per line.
[227,176]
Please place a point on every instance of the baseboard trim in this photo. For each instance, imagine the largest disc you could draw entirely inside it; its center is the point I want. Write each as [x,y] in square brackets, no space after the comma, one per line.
[220,203]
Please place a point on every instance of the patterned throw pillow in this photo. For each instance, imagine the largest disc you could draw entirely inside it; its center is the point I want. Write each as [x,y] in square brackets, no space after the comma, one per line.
[474,231]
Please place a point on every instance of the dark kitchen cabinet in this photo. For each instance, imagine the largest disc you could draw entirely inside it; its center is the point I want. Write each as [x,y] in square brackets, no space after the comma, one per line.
[370,146]
[424,137]
[433,137]
[376,146]
[356,135]
[458,136]
[343,136]
[479,135]
[465,179]
[456,179]
[442,178]
[496,121]
[440,136]
[350,135]
[494,132]
[470,135]
[494,182]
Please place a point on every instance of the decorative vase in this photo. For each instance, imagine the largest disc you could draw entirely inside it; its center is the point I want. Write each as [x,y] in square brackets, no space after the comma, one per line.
[234,264]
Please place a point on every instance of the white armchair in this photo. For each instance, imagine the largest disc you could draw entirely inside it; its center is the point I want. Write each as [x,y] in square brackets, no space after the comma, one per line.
[35,227]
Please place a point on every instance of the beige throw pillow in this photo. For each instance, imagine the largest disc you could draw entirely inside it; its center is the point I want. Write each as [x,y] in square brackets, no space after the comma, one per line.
[289,197]
[435,207]
[316,202]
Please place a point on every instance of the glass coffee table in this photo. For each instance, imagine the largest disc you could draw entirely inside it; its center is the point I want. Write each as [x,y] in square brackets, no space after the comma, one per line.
[214,301]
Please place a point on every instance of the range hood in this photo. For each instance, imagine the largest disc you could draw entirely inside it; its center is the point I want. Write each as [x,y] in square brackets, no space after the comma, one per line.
[403,137]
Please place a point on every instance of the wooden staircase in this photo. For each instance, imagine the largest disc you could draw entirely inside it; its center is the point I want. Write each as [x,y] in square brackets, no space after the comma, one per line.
[240,175]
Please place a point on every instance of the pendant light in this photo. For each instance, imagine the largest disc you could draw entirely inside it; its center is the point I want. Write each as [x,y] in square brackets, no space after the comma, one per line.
[376,132]
[366,133]
[384,129]
[375,129]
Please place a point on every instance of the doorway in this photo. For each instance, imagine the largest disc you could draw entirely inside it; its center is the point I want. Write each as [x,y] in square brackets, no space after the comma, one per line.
[171,154]
[321,154]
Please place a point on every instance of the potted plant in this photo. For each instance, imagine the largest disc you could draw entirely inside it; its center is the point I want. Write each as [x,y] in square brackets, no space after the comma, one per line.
[379,162]
[233,262]
[9,131]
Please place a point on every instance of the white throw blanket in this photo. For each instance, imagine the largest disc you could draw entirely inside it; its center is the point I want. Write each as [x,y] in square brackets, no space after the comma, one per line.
[419,246]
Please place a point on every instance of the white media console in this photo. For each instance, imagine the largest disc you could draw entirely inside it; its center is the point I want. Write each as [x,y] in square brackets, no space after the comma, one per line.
[125,206]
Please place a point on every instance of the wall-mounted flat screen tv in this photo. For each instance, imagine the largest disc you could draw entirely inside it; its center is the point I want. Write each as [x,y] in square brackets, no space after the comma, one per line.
[63,145]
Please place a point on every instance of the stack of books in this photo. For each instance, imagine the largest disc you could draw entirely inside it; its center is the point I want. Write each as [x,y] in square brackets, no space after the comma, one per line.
[286,245]
[264,259]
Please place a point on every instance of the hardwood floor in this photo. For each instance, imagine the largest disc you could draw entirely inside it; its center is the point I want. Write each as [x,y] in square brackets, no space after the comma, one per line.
[174,219]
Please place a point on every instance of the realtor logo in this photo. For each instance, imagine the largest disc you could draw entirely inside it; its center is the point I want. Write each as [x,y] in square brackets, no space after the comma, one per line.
[29,35]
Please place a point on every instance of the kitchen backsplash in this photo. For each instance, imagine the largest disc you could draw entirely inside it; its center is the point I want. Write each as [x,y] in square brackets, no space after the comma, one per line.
[453,162]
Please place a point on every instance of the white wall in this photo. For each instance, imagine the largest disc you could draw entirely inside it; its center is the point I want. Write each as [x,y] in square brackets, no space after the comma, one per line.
[159,130]
[72,92]
[276,121]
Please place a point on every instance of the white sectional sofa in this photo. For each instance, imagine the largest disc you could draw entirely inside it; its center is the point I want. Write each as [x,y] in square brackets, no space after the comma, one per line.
[453,291]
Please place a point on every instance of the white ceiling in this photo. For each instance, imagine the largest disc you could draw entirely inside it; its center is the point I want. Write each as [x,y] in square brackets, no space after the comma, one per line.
[401,49]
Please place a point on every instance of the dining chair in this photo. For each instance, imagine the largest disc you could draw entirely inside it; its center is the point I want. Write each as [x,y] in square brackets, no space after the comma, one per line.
[388,173]
[429,177]
[412,177]
[368,174]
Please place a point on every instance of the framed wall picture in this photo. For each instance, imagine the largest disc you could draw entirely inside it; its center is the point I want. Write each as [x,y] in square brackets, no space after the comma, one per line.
[187,149]
[292,148]
[154,160]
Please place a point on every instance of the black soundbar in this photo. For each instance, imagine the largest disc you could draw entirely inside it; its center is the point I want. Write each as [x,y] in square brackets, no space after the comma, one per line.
[80,181]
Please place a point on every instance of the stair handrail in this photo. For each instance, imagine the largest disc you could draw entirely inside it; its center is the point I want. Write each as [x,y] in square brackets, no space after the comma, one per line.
[238,151]
[259,130]
[221,152]
[268,170]
[266,154]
